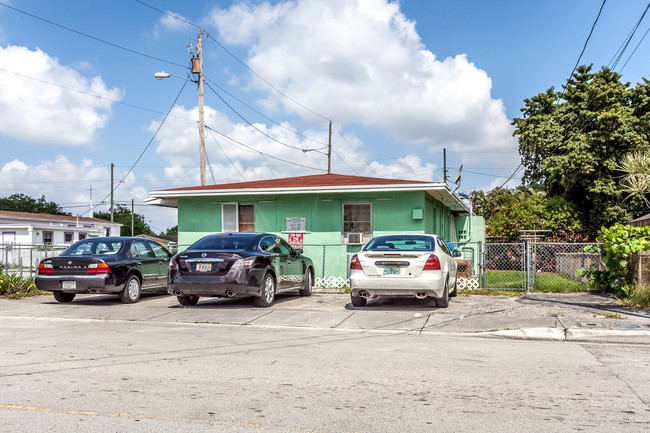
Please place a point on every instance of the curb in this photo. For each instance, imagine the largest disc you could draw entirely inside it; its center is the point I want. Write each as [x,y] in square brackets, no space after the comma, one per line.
[575,334]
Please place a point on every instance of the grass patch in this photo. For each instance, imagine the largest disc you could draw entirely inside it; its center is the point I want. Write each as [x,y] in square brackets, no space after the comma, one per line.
[639,297]
[548,282]
[616,316]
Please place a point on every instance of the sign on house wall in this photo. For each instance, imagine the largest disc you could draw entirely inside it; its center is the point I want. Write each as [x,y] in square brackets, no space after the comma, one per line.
[295,240]
[296,224]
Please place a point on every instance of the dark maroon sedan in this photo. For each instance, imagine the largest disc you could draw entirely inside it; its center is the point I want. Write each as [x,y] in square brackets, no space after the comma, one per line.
[123,265]
[238,265]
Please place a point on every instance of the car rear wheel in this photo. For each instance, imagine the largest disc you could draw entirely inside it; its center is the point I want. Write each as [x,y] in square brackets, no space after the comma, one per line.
[131,291]
[188,301]
[443,301]
[358,301]
[267,295]
[63,297]
[308,283]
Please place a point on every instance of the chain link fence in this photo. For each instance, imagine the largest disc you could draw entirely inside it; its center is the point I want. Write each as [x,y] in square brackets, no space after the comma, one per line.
[23,259]
[536,266]
[539,266]
[504,266]
[555,267]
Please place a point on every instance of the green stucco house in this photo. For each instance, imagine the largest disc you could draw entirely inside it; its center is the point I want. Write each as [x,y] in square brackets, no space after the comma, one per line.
[330,216]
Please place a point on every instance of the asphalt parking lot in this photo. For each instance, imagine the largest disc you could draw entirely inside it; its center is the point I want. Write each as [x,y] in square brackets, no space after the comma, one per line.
[577,316]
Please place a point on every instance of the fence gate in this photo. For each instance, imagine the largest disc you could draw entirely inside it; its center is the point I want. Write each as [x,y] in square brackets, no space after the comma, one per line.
[556,267]
[504,266]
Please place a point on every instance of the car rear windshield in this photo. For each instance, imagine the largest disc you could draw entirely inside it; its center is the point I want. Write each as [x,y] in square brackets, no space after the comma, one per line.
[94,247]
[238,242]
[401,243]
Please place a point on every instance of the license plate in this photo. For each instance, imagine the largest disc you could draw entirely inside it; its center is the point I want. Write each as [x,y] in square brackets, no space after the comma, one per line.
[391,270]
[203,267]
[68,285]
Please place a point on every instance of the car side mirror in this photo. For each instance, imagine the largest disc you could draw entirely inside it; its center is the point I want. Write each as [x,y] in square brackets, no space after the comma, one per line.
[298,251]
[456,254]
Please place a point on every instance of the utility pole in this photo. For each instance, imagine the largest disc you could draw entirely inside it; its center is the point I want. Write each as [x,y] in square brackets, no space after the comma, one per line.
[91,201]
[112,165]
[197,68]
[132,217]
[329,152]
[444,165]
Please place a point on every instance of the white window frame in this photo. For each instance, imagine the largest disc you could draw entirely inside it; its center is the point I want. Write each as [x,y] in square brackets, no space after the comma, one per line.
[343,232]
[223,229]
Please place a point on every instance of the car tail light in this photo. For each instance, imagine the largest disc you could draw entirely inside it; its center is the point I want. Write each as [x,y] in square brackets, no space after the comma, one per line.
[432,264]
[173,264]
[243,263]
[355,264]
[98,268]
[45,268]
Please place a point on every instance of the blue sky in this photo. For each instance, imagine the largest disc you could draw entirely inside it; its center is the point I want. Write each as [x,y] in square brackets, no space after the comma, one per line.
[401,81]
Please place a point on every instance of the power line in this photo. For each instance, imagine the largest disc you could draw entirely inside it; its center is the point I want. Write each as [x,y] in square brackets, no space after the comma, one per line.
[627,41]
[148,144]
[260,113]
[587,41]
[256,128]
[176,17]
[262,153]
[570,76]
[355,150]
[635,48]
[92,37]
[224,154]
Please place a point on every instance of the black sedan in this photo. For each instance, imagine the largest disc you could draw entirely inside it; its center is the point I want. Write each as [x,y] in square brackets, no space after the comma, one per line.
[239,265]
[124,265]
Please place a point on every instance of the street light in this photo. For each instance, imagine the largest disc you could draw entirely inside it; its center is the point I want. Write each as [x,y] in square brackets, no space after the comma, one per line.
[197,68]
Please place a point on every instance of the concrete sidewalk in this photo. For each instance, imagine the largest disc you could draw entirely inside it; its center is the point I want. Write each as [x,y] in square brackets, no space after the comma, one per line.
[563,317]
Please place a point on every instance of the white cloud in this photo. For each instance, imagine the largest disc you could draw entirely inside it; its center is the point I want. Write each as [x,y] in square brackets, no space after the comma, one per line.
[239,143]
[363,62]
[172,22]
[31,110]
[67,184]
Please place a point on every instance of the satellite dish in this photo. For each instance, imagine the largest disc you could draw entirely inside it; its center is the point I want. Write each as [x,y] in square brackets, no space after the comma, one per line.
[457,177]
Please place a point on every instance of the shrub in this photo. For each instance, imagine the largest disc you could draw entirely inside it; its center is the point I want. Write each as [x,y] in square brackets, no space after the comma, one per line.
[619,242]
[14,286]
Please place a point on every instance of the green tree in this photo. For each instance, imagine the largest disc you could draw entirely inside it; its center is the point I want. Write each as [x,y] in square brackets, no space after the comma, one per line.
[25,203]
[571,141]
[171,231]
[636,175]
[507,211]
[122,215]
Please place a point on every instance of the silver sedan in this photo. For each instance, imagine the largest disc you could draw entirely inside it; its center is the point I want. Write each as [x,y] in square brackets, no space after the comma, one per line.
[407,265]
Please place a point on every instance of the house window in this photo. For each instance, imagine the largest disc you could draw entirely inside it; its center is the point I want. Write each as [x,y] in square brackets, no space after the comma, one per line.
[357,222]
[68,237]
[246,218]
[237,217]
[83,236]
[47,237]
[8,238]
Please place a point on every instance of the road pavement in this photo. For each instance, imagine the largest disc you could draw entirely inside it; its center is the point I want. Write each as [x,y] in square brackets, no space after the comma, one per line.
[541,316]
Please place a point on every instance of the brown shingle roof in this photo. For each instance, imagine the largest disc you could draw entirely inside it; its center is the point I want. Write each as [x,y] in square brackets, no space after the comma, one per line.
[49,217]
[318,180]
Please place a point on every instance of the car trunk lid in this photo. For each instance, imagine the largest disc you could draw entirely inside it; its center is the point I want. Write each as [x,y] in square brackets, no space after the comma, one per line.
[206,262]
[407,264]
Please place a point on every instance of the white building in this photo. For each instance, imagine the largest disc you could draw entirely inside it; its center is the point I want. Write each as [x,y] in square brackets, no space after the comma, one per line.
[21,228]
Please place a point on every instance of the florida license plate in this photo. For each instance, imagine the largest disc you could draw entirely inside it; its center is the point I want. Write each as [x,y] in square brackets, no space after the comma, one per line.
[203,267]
[391,270]
[68,285]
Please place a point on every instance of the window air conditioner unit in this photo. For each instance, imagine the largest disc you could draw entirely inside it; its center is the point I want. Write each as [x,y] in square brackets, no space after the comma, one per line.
[354,238]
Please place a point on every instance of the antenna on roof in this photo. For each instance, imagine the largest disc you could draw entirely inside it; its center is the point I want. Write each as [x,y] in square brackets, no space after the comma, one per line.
[458,178]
